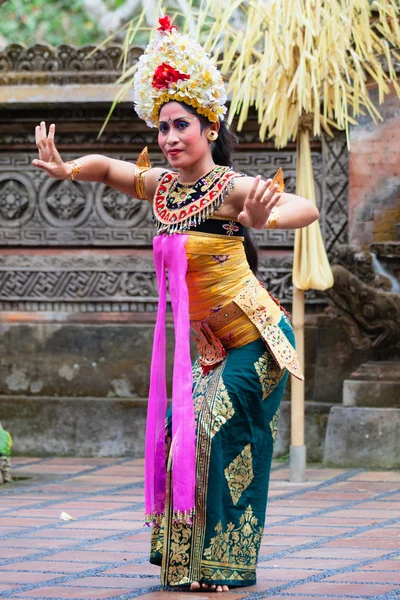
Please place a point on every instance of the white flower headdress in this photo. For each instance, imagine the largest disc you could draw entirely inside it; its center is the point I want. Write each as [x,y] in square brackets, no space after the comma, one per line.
[176,67]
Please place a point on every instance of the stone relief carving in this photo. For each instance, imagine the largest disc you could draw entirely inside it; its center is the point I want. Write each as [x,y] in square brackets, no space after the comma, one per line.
[335,182]
[358,263]
[77,283]
[63,64]
[371,316]
[17,200]
[36,212]
[127,282]
[74,213]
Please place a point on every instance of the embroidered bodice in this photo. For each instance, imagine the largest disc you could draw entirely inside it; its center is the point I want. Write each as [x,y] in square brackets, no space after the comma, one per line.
[228,306]
[217,263]
[178,207]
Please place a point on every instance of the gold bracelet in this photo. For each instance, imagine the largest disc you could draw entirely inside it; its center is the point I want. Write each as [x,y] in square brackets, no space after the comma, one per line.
[142,166]
[76,169]
[273,219]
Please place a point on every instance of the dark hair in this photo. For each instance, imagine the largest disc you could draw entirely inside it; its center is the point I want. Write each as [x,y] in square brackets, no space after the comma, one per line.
[221,151]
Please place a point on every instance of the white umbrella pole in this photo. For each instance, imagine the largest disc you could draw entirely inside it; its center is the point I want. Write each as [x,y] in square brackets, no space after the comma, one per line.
[297,446]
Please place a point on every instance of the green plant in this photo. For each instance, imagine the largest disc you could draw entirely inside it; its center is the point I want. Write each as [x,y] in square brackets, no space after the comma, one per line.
[60,22]
[5,443]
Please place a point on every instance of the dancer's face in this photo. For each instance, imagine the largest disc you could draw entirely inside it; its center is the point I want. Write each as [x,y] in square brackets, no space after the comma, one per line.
[180,137]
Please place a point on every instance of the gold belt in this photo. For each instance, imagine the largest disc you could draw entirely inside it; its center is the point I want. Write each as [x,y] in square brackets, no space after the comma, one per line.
[256,305]
[227,315]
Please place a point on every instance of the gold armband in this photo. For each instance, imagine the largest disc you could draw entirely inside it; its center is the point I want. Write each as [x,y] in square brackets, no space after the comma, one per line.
[273,219]
[76,169]
[142,165]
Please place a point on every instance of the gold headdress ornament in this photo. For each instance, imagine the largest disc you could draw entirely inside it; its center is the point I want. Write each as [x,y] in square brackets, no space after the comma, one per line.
[176,67]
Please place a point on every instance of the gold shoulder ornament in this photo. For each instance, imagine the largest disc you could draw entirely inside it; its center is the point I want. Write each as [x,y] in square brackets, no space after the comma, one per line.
[278,180]
[143,164]
[274,216]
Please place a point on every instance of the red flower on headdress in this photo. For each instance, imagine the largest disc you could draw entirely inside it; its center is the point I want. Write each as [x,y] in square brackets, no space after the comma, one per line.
[165,24]
[165,74]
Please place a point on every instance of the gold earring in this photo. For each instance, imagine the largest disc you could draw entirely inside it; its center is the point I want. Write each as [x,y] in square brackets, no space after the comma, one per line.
[212,135]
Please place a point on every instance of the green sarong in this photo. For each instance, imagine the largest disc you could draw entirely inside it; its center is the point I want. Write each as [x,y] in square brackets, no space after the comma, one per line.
[237,412]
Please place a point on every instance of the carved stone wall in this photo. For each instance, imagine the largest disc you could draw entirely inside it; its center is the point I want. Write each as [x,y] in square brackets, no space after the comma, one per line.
[73,232]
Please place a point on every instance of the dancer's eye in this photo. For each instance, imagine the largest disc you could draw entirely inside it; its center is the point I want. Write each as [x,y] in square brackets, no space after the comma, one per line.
[163,128]
[181,125]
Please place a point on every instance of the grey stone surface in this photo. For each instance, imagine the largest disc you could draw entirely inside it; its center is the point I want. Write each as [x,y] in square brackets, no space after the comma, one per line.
[384,370]
[75,426]
[370,393]
[316,419]
[336,359]
[21,95]
[298,463]
[363,437]
[74,360]
[88,426]
[373,384]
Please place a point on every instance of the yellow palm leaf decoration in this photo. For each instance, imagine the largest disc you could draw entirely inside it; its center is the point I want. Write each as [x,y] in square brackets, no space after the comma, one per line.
[305,65]
[311,267]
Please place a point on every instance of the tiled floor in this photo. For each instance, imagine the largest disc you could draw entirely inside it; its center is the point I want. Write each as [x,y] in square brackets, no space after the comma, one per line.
[336,536]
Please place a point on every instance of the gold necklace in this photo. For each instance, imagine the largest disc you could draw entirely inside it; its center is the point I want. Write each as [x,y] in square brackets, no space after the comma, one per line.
[180,206]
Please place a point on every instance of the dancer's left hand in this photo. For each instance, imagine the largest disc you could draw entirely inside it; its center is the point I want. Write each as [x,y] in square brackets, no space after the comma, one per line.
[258,204]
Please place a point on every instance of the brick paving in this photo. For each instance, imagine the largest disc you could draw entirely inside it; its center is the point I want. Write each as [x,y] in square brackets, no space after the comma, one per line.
[335,536]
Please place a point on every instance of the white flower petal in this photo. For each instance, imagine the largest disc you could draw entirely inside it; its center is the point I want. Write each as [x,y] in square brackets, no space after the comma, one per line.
[66,517]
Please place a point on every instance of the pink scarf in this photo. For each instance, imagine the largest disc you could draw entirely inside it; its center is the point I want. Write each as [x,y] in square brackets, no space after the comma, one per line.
[169,253]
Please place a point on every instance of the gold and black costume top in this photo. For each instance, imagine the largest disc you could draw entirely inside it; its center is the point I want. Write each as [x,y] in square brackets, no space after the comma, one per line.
[228,306]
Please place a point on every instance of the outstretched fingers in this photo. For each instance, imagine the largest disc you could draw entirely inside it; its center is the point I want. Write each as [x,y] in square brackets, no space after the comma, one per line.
[43,133]
[269,192]
[52,130]
[40,163]
[252,195]
[41,137]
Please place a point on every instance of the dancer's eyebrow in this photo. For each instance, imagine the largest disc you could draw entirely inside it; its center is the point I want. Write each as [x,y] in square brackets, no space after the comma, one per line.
[178,119]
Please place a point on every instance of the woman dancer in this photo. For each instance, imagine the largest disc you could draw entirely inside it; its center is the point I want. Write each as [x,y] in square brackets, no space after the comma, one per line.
[208,458]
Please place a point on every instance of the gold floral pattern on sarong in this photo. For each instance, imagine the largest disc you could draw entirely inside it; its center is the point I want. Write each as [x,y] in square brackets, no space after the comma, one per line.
[219,409]
[239,474]
[274,423]
[178,572]
[227,574]
[222,409]
[269,373]
[200,383]
[157,539]
[236,545]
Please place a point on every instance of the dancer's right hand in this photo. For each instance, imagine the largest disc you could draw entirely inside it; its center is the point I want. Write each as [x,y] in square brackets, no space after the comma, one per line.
[49,158]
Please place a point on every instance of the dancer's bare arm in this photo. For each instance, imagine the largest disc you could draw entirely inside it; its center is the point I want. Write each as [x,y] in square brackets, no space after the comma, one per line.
[118,174]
